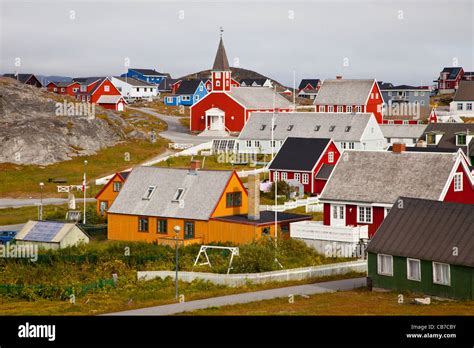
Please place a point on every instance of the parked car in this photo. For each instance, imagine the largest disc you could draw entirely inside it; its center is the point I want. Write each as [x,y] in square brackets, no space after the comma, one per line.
[7,236]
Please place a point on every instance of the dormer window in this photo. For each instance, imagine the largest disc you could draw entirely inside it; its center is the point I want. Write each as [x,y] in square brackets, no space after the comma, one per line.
[331,128]
[149,192]
[178,196]
[290,127]
[461,139]
[431,139]
[262,127]
[317,128]
[348,128]
[274,126]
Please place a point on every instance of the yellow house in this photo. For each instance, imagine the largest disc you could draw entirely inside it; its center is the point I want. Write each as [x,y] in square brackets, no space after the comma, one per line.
[109,192]
[204,205]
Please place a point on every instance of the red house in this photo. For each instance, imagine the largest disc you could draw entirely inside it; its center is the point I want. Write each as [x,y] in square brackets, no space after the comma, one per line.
[102,92]
[227,107]
[308,161]
[449,78]
[350,96]
[69,88]
[366,184]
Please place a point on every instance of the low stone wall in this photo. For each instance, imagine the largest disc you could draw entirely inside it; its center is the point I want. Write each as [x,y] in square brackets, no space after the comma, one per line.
[265,277]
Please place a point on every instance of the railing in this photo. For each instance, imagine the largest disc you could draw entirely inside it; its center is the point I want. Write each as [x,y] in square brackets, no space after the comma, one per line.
[311,203]
[315,230]
[181,242]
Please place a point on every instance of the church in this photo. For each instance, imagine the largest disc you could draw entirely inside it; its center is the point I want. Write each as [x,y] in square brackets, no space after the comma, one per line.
[227,107]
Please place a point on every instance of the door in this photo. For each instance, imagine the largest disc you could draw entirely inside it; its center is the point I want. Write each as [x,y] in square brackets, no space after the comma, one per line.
[216,122]
[120,106]
[337,215]
[188,230]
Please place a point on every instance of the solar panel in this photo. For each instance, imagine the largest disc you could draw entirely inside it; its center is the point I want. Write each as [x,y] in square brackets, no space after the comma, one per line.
[44,231]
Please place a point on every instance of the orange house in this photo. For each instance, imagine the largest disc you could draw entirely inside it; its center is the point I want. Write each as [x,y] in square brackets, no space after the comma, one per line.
[109,192]
[204,206]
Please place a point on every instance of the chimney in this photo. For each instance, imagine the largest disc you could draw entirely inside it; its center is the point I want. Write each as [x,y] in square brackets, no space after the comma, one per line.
[254,197]
[195,165]
[398,148]
[338,77]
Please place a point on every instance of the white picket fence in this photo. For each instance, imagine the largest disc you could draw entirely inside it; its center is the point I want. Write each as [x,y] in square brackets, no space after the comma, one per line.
[312,204]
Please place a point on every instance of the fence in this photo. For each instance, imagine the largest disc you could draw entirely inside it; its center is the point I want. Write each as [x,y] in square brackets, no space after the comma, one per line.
[359,266]
[311,203]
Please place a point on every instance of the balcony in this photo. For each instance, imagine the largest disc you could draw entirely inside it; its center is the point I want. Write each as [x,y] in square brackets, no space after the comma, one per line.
[181,242]
[315,230]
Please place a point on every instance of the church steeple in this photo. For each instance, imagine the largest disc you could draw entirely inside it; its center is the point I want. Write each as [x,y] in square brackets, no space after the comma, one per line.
[221,74]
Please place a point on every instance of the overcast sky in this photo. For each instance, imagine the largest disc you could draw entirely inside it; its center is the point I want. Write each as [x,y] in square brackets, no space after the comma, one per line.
[404,42]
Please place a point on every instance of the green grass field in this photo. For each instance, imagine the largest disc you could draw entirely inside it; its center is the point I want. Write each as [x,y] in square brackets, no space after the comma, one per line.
[215,162]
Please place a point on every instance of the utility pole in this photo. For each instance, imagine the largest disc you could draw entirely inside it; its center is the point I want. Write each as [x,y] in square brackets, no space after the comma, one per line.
[84,186]
[40,211]
[176,229]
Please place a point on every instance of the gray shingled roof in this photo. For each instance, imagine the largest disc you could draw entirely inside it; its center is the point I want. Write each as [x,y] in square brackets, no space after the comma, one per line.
[134,82]
[220,62]
[449,130]
[344,92]
[465,91]
[259,98]
[203,190]
[304,124]
[403,131]
[382,176]
[427,230]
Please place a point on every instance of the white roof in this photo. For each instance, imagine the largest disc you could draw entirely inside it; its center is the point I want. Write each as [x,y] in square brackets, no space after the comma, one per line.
[344,92]
[109,99]
[259,98]
[403,131]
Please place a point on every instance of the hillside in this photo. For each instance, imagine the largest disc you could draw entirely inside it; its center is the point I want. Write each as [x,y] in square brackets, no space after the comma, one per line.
[32,133]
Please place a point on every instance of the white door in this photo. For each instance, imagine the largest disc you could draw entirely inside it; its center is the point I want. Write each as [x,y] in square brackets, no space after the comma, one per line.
[337,215]
[216,122]
[120,106]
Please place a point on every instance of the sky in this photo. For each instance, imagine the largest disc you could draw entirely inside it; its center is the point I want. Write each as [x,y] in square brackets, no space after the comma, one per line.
[403,42]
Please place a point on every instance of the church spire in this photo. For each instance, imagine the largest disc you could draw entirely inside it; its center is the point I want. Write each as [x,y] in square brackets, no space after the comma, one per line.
[220,62]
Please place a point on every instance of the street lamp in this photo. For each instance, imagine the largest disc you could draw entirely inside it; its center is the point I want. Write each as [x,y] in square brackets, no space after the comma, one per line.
[176,229]
[84,187]
[40,211]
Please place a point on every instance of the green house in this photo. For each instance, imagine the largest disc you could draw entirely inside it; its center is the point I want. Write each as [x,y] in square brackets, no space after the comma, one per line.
[425,246]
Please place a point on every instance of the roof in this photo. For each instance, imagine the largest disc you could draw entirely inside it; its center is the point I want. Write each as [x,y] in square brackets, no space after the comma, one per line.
[409,113]
[44,231]
[61,83]
[166,84]
[305,82]
[382,176]
[453,72]
[413,131]
[249,82]
[425,149]
[149,72]
[20,77]
[220,62]
[465,91]
[134,82]
[259,98]
[266,217]
[325,171]
[299,154]
[188,87]
[427,230]
[344,92]
[390,87]
[203,189]
[86,80]
[449,130]
[305,125]
[109,99]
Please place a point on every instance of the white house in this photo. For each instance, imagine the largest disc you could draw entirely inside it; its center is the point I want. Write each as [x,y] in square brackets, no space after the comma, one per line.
[463,102]
[133,89]
[407,134]
[348,131]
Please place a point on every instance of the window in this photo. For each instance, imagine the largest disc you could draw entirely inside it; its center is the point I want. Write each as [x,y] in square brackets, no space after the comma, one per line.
[349,109]
[138,89]
[305,178]
[457,182]
[149,192]
[55,89]
[273,143]
[256,143]
[391,122]
[351,146]
[343,145]
[249,143]
[358,108]
[321,108]
[284,176]
[218,74]
[389,94]
[441,273]
[63,89]
[169,99]
[178,195]
[117,186]
[414,270]
[339,108]
[277,176]
[188,229]
[459,106]
[297,177]
[431,139]
[338,212]
[330,108]
[218,83]
[405,122]
[161,226]
[83,88]
[371,96]
[469,106]
[330,157]
[461,140]
[233,199]
[317,128]
[262,127]
[285,228]
[106,88]
[331,128]
[145,90]
[376,96]
[142,224]
[422,94]
[422,103]
[348,128]
[385,264]
[290,127]
[364,215]
[265,231]
[104,205]
[274,126]
[75,89]
[416,93]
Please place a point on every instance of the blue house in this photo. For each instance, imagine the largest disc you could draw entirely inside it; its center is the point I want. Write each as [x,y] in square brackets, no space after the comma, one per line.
[147,75]
[188,93]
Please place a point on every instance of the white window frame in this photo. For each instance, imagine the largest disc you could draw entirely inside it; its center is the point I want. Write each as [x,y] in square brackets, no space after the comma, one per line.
[249,143]
[305,179]
[179,194]
[457,138]
[448,283]
[330,108]
[322,108]
[340,108]
[468,106]
[256,143]
[380,270]
[149,192]
[458,182]
[106,88]
[276,176]
[284,176]
[365,220]
[297,177]
[351,146]
[417,279]
[331,157]
[349,108]
[459,106]
[358,108]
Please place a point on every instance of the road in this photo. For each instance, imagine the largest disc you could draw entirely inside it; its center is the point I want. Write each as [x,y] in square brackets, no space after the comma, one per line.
[307,289]
[29,202]
[11,227]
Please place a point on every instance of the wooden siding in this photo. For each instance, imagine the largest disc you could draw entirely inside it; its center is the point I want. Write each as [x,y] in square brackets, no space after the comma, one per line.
[234,185]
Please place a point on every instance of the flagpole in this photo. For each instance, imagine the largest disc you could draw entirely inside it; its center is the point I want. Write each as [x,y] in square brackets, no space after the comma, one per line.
[85,188]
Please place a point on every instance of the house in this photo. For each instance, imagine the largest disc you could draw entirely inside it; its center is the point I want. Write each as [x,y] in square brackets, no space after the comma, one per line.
[348,131]
[463,100]
[63,87]
[27,79]
[109,192]
[308,161]
[309,88]
[256,83]
[148,75]
[206,205]
[227,108]
[403,94]
[166,84]
[424,246]
[51,235]
[400,133]
[134,89]
[187,93]
[100,91]
[449,136]
[364,186]
[350,96]
[409,114]
[448,80]
[468,75]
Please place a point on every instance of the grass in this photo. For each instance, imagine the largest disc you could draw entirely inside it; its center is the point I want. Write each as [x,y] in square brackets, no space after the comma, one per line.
[358,302]
[317,216]
[216,162]
[23,180]
[144,121]
[161,108]
[185,122]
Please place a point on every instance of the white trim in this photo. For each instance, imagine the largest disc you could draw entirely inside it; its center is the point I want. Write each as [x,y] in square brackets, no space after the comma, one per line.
[434,273]
[365,214]
[460,154]
[408,269]
[460,187]
[379,264]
